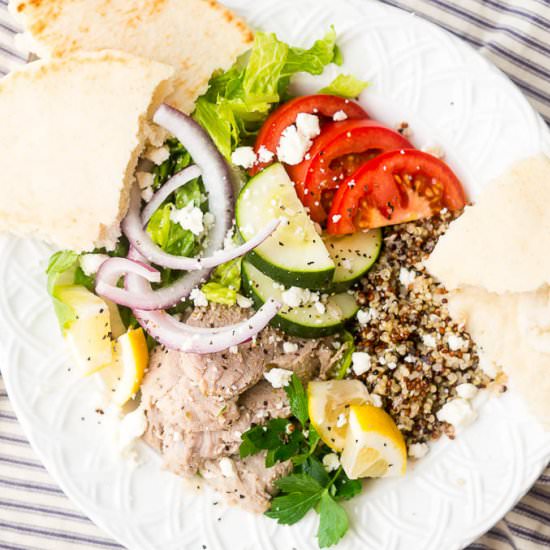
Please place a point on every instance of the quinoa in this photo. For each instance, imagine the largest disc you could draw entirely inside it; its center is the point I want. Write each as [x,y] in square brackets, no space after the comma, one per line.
[409,335]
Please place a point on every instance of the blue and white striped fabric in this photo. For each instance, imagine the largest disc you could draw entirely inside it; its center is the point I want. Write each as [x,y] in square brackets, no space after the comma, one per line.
[34,512]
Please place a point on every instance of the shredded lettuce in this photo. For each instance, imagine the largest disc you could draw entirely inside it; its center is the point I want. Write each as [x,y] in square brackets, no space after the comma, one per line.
[224,284]
[61,272]
[238,101]
[345,85]
[219,294]
[178,160]
[171,236]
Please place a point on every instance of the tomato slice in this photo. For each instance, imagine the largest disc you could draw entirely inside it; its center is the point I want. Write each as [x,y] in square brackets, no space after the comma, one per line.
[340,154]
[324,105]
[393,188]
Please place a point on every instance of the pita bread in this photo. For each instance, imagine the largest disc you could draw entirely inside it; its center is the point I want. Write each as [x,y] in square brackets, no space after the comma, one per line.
[70,136]
[512,331]
[196,37]
[503,240]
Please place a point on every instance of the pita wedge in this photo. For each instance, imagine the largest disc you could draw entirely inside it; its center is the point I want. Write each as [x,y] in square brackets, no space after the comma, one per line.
[495,260]
[196,37]
[502,242]
[70,134]
[512,331]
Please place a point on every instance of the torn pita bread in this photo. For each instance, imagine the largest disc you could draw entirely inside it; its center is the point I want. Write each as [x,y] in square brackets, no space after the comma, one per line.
[196,37]
[71,133]
[501,243]
[512,331]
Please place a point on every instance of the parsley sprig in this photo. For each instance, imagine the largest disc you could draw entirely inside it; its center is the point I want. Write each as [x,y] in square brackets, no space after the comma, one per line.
[309,486]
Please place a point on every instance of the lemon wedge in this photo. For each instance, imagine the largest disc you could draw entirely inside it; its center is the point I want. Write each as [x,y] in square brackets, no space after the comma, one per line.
[130,358]
[329,404]
[89,335]
[374,446]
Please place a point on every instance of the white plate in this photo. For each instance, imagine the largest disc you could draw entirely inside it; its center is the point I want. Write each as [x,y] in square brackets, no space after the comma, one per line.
[451,97]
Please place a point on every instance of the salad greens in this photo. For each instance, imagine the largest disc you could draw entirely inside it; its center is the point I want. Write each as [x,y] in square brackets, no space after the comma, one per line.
[63,270]
[309,486]
[345,85]
[224,283]
[238,100]
[347,349]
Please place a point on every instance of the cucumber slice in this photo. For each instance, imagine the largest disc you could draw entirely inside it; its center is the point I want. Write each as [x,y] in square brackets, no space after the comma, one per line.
[295,254]
[353,255]
[305,321]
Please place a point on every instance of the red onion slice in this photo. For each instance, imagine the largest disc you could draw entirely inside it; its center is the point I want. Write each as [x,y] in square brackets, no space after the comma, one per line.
[139,238]
[113,269]
[216,174]
[183,337]
[175,182]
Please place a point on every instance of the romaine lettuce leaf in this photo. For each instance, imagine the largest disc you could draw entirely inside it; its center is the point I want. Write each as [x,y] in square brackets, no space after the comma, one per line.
[345,85]
[170,236]
[61,272]
[238,101]
[224,283]
[219,294]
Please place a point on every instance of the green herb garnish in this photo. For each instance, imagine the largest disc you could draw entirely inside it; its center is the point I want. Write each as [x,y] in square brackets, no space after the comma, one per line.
[309,486]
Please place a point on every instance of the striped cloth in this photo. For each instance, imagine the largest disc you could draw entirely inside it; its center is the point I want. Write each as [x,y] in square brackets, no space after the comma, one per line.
[34,512]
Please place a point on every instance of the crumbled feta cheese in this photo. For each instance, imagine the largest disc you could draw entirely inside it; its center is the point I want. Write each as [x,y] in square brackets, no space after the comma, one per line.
[198,297]
[293,145]
[290,347]
[457,412]
[157,155]
[265,155]
[131,427]
[228,242]
[363,317]
[341,421]
[147,194]
[336,218]
[145,179]
[243,301]
[375,400]
[455,342]
[308,125]
[278,378]
[296,296]
[360,361]
[234,349]
[429,340]
[189,217]
[488,367]
[208,220]
[244,156]
[331,462]
[320,307]
[418,450]
[338,116]
[227,467]
[90,263]
[466,391]
[392,365]
[406,277]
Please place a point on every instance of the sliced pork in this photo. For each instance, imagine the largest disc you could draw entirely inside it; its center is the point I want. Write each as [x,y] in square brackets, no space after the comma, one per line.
[198,406]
